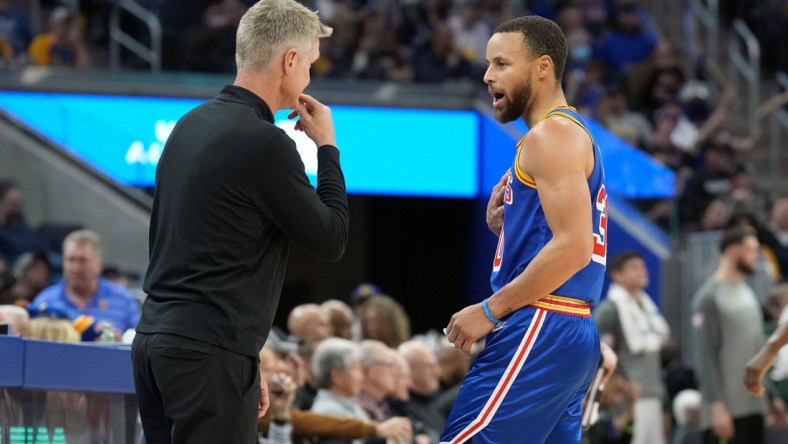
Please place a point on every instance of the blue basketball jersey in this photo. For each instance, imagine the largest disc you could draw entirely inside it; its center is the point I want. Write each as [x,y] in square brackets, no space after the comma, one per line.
[525,231]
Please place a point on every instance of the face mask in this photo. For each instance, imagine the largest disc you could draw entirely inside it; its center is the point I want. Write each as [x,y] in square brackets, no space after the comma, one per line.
[581,54]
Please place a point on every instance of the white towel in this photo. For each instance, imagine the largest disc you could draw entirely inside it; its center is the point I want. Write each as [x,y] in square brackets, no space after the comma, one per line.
[645,330]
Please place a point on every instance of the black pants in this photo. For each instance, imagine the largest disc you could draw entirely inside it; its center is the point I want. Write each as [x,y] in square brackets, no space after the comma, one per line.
[192,392]
[747,430]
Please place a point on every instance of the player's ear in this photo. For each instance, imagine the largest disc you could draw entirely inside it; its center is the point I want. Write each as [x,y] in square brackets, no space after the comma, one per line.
[544,67]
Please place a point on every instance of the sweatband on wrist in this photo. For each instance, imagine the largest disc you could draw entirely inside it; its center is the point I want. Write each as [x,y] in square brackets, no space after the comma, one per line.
[486,309]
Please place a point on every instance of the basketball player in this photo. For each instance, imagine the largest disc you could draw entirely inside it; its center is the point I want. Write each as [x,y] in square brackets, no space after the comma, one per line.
[542,347]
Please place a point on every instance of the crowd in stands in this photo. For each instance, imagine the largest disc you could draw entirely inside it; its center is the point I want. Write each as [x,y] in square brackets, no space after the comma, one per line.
[620,71]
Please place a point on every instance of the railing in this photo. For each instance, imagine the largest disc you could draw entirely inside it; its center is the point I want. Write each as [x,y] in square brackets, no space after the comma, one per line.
[779,126]
[119,39]
[706,16]
[746,63]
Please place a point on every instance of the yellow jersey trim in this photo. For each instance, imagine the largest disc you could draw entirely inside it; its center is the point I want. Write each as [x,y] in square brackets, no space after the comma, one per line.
[524,177]
[564,305]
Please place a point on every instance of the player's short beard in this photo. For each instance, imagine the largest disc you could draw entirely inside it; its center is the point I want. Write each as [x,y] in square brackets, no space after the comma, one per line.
[516,103]
[744,267]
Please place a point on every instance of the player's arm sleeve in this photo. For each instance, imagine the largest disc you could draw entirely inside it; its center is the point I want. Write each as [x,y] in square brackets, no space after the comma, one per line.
[707,338]
[317,220]
[308,424]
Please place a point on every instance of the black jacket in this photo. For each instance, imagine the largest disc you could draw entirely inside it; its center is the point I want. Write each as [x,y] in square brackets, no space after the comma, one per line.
[231,193]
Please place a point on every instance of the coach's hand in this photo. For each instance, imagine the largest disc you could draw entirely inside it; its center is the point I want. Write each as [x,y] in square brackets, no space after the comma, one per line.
[315,120]
[495,206]
[263,398]
[468,326]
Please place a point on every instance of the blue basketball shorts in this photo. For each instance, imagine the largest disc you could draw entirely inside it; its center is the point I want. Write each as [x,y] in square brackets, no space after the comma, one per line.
[528,384]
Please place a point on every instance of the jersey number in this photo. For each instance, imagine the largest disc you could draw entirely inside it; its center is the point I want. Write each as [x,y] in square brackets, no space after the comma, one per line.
[508,198]
[600,239]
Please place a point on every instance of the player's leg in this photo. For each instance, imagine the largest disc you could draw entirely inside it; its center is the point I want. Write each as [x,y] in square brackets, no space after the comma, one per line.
[586,355]
[522,381]
[567,430]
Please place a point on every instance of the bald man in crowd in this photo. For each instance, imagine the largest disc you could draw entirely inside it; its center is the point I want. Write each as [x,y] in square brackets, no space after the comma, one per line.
[424,388]
[340,317]
[308,321]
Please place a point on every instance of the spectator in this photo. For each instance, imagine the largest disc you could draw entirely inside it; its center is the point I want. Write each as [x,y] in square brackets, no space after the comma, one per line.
[114,275]
[631,324]
[471,31]
[628,44]
[385,320]
[454,365]
[424,388]
[615,115]
[18,319]
[308,424]
[377,366]
[72,411]
[585,88]
[644,74]
[210,44]
[715,216]
[580,47]
[308,321]
[678,376]
[338,373]
[662,89]
[439,59]
[16,237]
[767,263]
[380,55]
[402,382]
[745,195]
[56,329]
[14,28]
[616,407]
[778,225]
[340,316]
[83,291]
[306,393]
[31,274]
[686,410]
[728,326]
[62,45]
[711,181]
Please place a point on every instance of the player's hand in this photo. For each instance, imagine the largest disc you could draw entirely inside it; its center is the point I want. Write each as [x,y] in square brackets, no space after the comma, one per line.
[609,361]
[495,206]
[721,421]
[468,326]
[315,120]
[756,369]
[263,398]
